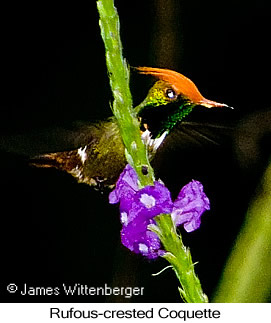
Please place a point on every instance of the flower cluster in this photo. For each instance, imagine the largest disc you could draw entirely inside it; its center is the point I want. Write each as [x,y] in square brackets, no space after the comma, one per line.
[138,207]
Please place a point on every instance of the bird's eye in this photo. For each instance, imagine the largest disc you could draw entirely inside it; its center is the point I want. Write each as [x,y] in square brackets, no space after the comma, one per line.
[170,94]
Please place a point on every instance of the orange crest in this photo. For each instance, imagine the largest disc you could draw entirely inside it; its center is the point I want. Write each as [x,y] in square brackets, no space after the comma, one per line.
[181,84]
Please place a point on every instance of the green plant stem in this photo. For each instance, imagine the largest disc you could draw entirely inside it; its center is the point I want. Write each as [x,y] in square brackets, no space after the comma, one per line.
[118,71]
[247,275]
[136,152]
[180,258]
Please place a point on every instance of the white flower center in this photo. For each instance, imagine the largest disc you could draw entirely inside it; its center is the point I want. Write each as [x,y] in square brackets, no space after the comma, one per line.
[147,200]
[143,248]
[124,218]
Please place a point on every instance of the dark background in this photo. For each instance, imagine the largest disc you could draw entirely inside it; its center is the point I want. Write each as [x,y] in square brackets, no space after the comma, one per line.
[53,73]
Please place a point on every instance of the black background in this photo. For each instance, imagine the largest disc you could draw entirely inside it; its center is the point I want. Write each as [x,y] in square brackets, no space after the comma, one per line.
[53,73]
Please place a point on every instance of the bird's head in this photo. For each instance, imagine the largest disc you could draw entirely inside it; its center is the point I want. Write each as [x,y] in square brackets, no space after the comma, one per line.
[169,100]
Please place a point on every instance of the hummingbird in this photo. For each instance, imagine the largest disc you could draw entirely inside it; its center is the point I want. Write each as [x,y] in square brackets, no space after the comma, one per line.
[99,159]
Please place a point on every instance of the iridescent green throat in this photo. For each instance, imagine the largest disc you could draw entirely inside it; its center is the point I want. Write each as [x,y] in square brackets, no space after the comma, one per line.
[178,116]
[161,118]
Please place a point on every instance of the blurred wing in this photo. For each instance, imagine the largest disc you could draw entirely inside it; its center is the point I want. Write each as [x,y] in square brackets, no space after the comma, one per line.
[48,140]
[200,134]
[203,129]
[195,148]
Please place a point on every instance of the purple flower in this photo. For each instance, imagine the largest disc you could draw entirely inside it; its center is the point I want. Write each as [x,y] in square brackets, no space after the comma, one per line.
[138,212]
[138,207]
[136,237]
[148,202]
[189,206]
[126,185]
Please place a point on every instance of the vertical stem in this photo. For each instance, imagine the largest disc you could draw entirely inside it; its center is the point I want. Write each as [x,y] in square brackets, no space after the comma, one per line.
[136,152]
[181,260]
[119,81]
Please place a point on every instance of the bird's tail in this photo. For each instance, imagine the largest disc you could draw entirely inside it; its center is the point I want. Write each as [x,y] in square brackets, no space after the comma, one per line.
[45,161]
[59,160]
